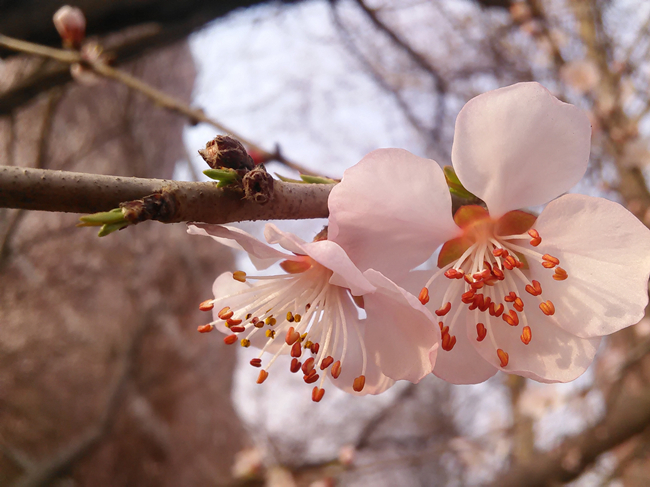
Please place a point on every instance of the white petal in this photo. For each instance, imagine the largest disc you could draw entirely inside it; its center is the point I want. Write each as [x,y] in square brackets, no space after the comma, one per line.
[520,146]
[606,253]
[391,211]
[401,334]
[261,254]
[553,354]
[286,240]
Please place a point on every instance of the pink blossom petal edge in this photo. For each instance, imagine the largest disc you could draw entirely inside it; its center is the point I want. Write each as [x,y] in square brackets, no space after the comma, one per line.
[606,253]
[520,146]
[261,254]
[327,253]
[401,333]
[391,211]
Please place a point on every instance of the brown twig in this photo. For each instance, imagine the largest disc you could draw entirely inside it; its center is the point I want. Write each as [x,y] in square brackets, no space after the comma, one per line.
[47,190]
[157,96]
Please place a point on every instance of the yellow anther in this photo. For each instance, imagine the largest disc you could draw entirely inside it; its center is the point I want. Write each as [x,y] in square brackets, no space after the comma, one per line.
[245,343]
[270,333]
[239,276]
[289,317]
[297,317]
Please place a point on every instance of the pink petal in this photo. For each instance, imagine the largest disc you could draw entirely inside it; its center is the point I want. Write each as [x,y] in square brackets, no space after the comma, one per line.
[326,253]
[261,254]
[520,146]
[553,354]
[352,365]
[401,333]
[391,211]
[606,253]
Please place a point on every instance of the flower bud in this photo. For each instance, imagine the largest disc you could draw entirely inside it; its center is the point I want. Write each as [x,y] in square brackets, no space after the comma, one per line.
[70,23]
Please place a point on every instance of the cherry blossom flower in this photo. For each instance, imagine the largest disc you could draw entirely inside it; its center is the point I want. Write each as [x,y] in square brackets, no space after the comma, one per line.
[514,292]
[309,312]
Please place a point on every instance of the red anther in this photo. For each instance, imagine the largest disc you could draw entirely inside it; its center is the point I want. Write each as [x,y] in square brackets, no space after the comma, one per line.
[518,304]
[308,366]
[535,238]
[359,383]
[256,362]
[491,308]
[498,310]
[484,274]
[467,297]
[560,274]
[444,331]
[257,323]
[295,365]
[206,305]
[262,377]
[548,265]
[459,274]
[477,302]
[535,289]
[336,369]
[547,307]
[424,295]
[230,339]
[444,310]
[485,305]
[519,264]
[296,350]
[526,335]
[510,263]
[468,279]
[481,331]
[233,322]
[451,273]
[327,361]
[488,267]
[498,273]
[550,259]
[205,328]
[497,252]
[292,336]
[510,297]
[511,318]
[503,357]
[226,313]
[477,285]
[311,378]
[441,325]
[448,342]
[315,347]
[317,394]
[237,329]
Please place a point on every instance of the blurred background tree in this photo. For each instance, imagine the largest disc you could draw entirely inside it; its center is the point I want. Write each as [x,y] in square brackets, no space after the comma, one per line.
[104,380]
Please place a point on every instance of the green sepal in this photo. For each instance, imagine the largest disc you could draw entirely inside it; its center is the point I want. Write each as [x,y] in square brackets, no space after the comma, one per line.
[288,180]
[225,176]
[455,186]
[112,227]
[316,179]
[116,215]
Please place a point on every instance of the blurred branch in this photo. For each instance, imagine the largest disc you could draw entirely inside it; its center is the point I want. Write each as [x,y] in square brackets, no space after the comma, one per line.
[45,190]
[157,96]
[630,416]
[44,473]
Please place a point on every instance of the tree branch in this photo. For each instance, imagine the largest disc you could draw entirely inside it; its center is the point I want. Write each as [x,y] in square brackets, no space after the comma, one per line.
[46,190]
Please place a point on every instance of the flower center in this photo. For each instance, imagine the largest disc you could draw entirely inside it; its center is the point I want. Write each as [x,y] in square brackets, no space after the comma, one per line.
[487,269]
[299,313]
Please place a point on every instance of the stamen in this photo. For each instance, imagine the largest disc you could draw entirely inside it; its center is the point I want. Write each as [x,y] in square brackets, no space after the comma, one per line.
[327,361]
[205,328]
[518,304]
[226,313]
[511,318]
[547,307]
[232,322]
[560,274]
[295,365]
[290,318]
[424,295]
[317,394]
[448,341]
[536,239]
[359,383]
[336,369]
[245,342]
[236,329]
[296,350]
[230,339]
[292,336]
[498,310]
[256,362]
[536,288]
[206,305]
[270,334]
[308,366]
[550,261]
[481,331]
[239,276]
[315,348]
[526,335]
[503,357]
[444,310]
[311,377]
[262,377]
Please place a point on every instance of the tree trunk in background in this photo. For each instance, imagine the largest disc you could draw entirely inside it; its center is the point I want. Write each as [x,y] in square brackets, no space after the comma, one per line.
[103,377]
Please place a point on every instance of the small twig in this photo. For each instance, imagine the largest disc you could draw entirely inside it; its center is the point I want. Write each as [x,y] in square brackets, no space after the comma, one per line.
[157,96]
[46,190]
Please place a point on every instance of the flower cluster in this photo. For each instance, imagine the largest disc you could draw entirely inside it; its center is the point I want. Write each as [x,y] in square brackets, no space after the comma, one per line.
[525,294]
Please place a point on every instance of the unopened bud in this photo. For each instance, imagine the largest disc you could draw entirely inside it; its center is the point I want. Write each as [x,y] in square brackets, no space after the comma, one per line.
[70,23]
[224,151]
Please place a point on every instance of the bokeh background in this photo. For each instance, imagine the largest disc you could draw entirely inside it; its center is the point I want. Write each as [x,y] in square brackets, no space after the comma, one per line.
[103,378]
